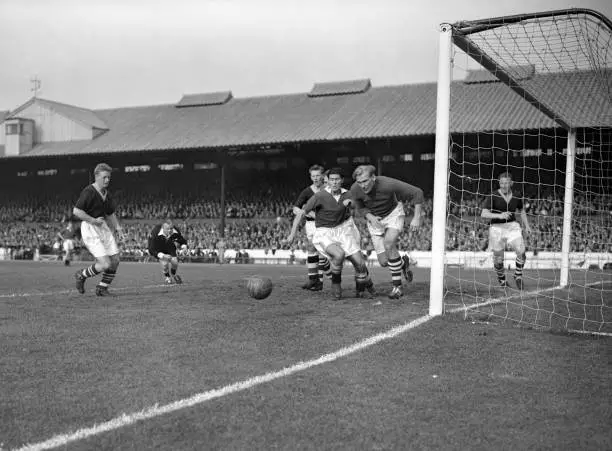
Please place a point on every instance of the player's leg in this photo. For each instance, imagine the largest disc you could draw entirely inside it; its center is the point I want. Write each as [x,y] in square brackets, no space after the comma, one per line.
[336,261]
[397,265]
[174,263]
[517,244]
[312,264]
[111,264]
[112,252]
[323,268]
[94,245]
[350,241]
[363,281]
[164,263]
[497,245]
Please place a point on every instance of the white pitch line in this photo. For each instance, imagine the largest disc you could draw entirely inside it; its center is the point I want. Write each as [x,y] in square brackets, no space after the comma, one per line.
[200,398]
[51,293]
[520,295]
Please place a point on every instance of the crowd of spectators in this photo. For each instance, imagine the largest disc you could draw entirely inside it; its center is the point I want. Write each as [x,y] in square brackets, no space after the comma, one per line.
[260,218]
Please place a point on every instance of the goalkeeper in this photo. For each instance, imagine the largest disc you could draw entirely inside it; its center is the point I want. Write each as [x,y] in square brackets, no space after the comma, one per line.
[380,200]
[163,242]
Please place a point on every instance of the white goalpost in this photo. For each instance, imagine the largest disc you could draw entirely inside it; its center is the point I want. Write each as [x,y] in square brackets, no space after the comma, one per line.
[529,95]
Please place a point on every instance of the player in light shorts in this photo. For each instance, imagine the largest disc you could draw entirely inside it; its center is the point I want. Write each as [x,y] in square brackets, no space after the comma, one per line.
[380,199]
[500,207]
[96,209]
[336,235]
[68,236]
[317,264]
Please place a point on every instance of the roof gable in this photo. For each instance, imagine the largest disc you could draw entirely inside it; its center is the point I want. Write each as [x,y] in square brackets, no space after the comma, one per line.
[81,115]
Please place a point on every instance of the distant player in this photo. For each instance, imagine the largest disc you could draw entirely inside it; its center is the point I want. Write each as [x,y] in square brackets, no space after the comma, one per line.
[500,207]
[336,235]
[164,240]
[380,199]
[68,237]
[96,209]
[316,263]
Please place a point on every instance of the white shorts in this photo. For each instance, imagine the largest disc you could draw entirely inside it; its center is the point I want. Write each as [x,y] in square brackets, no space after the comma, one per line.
[310,230]
[99,240]
[394,220]
[68,245]
[346,235]
[501,234]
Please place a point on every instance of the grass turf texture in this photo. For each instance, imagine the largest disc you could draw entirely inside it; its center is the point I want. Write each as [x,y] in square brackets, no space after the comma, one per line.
[70,361]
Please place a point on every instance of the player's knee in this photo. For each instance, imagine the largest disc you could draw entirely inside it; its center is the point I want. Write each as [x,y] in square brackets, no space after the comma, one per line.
[382,259]
[390,244]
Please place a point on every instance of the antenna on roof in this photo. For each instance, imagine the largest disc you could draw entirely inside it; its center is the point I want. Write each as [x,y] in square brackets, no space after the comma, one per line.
[35,85]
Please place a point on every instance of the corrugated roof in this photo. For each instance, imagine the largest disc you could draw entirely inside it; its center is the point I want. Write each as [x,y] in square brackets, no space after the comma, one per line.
[206,99]
[380,112]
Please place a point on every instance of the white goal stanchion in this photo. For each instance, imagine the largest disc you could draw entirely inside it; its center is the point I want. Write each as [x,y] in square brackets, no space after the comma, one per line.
[529,95]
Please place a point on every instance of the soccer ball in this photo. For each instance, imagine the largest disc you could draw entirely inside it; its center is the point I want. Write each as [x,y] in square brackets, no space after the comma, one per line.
[259,287]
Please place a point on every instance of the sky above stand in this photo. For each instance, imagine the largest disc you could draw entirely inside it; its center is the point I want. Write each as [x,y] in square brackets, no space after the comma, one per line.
[114,53]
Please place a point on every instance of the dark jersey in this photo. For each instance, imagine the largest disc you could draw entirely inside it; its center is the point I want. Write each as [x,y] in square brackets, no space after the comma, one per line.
[495,203]
[158,242]
[92,203]
[304,196]
[385,195]
[69,234]
[329,212]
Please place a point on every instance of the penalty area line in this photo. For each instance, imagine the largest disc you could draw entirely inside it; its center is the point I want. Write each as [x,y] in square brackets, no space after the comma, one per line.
[200,398]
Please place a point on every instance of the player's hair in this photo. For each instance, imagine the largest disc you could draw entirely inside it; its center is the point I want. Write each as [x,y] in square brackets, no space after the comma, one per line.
[505,175]
[364,168]
[337,171]
[102,167]
[316,167]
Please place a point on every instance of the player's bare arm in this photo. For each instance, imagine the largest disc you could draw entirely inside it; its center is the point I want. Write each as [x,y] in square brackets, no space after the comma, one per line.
[526,224]
[299,215]
[418,216]
[115,226]
[487,214]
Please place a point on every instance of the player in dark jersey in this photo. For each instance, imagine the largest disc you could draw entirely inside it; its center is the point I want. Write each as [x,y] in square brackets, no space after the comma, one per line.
[96,209]
[380,199]
[501,208]
[317,264]
[68,236]
[163,242]
[336,236]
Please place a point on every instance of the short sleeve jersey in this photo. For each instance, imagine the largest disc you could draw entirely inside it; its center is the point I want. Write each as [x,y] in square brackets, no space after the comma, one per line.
[92,203]
[495,203]
[385,194]
[329,212]
[303,197]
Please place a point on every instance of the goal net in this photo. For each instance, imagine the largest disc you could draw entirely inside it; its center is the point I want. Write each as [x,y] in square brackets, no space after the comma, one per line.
[529,95]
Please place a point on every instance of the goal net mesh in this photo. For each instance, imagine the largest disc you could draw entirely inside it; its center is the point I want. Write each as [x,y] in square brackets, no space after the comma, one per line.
[520,84]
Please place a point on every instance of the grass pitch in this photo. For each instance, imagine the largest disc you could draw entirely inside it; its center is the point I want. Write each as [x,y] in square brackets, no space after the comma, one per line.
[72,361]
